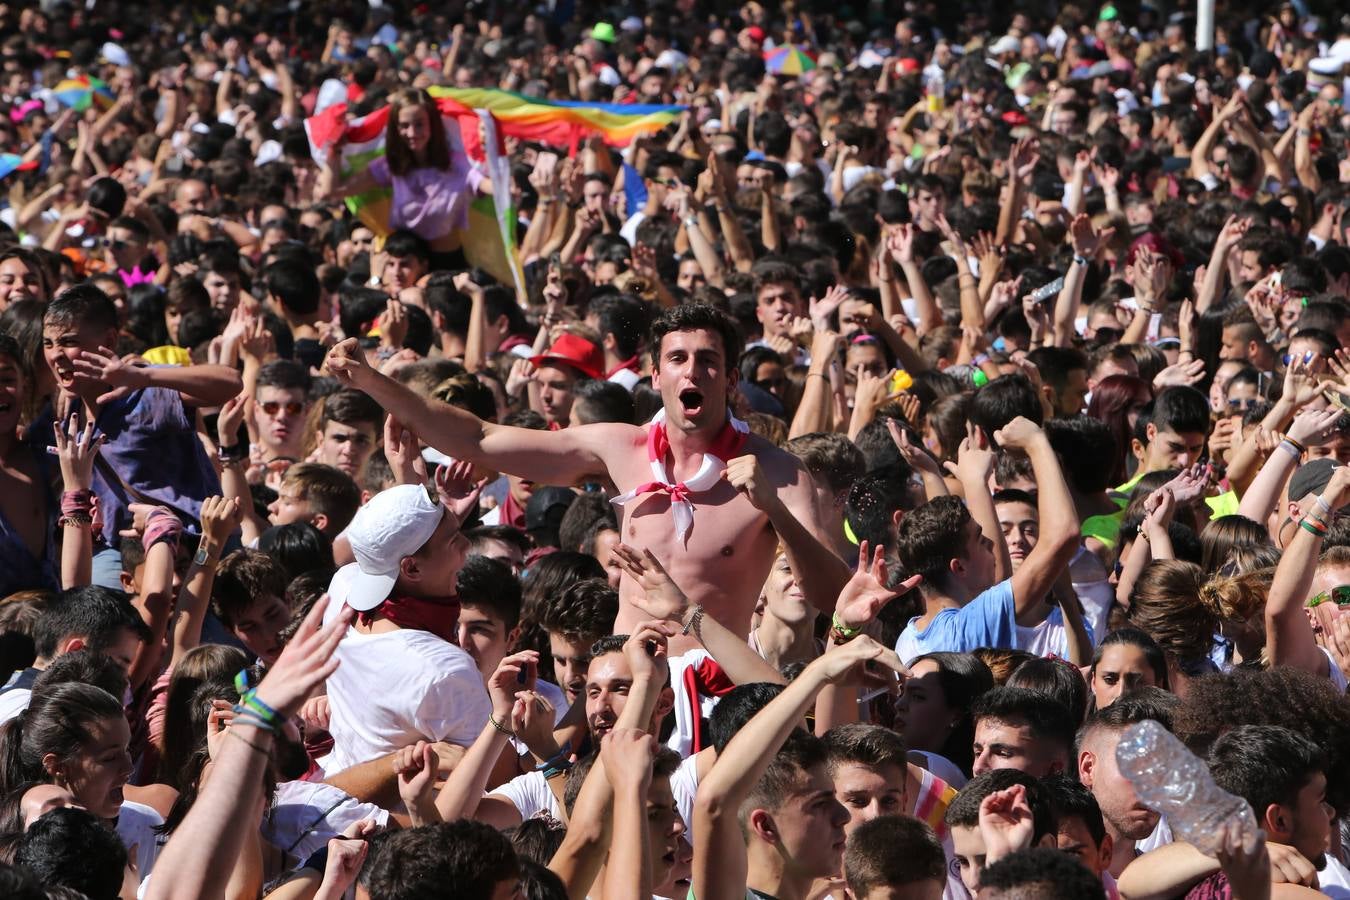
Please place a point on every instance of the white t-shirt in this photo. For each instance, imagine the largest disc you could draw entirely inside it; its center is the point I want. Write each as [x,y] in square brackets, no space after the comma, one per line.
[531,795]
[306,814]
[684,785]
[1049,637]
[393,689]
[136,824]
[1334,879]
[14,702]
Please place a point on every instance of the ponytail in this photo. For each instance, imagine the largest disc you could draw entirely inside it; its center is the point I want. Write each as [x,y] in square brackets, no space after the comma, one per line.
[58,720]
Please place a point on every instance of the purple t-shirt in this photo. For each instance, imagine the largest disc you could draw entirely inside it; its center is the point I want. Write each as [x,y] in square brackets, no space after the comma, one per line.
[430,202]
[152,444]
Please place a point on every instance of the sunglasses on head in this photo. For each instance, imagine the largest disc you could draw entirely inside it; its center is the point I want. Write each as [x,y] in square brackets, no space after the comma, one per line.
[1340,595]
[272,407]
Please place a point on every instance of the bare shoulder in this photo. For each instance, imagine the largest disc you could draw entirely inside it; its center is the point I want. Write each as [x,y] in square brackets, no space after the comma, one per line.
[776,462]
[604,438]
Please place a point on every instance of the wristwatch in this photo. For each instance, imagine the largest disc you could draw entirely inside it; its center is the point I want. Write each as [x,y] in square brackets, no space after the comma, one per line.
[203,554]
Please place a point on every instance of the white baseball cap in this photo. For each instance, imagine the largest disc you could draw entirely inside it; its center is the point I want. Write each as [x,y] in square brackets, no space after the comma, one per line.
[395,524]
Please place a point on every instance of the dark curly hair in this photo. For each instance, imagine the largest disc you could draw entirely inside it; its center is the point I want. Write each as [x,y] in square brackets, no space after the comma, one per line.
[1298,700]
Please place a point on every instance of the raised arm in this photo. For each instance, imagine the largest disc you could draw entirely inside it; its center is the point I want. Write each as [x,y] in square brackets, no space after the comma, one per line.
[550,457]
[1054,506]
[972,469]
[720,862]
[1289,636]
[199,857]
[865,595]
[626,755]
[583,850]
[220,517]
[781,490]
[664,600]
[1310,428]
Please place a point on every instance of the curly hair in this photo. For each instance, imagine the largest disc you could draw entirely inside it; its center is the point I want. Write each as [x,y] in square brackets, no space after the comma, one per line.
[585,610]
[1298,700]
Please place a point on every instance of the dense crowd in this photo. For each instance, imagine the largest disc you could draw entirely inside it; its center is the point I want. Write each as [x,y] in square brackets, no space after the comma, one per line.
[867,417]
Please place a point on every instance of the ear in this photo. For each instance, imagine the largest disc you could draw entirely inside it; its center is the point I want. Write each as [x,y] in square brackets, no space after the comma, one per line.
[1151,432]
[1048,393]
[51,764]
[896,517]
[1104,852]
[512,636]
[320,520]
[607,342]
[128,583]
[1087,764]
[665,702]
[408,568]
[70,646]
[761,824]
[365,498]
[1295,512]
[1277,820]
[1137,448]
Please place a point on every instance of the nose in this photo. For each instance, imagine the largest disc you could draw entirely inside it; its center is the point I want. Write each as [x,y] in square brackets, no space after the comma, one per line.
[981,763]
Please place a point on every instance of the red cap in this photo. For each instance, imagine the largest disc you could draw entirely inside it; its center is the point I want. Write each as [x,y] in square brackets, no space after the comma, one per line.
[907,64]
[1159,245]
[756,34]
[577,352]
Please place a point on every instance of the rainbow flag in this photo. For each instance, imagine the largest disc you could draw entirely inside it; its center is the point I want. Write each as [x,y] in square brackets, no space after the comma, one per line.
[477,121]
[79,93]
[490,240]
[563,123]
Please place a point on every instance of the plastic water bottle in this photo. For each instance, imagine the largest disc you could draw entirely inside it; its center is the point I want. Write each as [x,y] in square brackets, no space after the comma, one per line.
[936,88]
[1172,781]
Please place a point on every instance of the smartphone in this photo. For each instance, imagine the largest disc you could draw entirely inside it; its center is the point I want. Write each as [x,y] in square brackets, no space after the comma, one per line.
[1046,291]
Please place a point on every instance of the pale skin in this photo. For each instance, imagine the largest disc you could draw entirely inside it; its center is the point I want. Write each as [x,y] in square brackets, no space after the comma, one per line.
[737,524]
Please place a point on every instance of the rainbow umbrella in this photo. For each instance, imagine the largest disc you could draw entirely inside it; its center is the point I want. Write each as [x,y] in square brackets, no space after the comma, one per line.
[788,60]
[78,93]
[10,162]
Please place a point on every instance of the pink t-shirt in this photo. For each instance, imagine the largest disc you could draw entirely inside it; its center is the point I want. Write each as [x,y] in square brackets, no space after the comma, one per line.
[430,202]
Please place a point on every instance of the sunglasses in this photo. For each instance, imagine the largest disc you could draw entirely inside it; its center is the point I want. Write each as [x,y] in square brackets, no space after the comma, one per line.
[272,407]
[1339,595]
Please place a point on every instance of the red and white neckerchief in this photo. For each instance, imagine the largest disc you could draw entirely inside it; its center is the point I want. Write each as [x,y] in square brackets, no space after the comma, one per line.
[726,446]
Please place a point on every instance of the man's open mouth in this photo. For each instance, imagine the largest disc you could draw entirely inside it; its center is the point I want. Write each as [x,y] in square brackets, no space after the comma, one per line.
[691,400]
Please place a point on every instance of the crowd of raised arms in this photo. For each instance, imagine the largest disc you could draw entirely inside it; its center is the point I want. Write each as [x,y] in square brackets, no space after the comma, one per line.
[673,449]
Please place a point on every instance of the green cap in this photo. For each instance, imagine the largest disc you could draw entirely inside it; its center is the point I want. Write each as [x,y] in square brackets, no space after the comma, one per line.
[603,31]
[1108,14]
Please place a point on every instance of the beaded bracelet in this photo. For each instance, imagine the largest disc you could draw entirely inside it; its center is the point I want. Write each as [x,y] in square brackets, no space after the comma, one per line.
[500,727]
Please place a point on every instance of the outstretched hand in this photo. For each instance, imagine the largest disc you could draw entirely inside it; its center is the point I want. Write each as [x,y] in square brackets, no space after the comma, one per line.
[868,591]
[307,660]
[662,598]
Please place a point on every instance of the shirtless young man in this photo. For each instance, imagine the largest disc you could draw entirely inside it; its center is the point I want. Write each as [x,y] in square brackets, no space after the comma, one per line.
[723,556]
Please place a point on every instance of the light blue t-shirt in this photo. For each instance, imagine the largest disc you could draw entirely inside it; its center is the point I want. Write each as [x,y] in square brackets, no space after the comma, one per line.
[987,621]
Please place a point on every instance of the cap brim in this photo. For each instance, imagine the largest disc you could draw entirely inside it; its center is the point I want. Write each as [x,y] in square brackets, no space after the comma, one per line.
[546,359]
[360,590]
